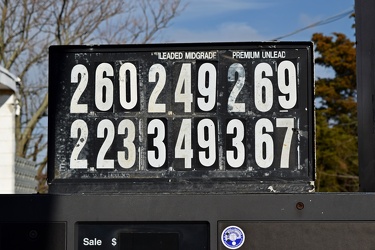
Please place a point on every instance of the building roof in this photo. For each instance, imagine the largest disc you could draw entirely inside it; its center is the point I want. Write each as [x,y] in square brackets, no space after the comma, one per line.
[8,80]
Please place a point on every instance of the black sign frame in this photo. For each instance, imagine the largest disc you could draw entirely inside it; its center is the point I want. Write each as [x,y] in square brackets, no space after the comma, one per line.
[188,125]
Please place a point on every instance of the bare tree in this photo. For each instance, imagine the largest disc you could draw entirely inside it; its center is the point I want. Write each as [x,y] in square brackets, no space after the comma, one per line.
[29,27]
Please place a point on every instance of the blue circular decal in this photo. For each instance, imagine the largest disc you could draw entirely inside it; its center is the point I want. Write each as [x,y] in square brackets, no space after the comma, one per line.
[233,237]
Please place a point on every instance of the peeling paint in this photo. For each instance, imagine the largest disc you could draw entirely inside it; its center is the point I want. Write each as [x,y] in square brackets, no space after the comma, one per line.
[270,188]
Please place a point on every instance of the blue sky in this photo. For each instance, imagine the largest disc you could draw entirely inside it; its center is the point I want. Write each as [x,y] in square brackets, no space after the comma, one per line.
[257,20]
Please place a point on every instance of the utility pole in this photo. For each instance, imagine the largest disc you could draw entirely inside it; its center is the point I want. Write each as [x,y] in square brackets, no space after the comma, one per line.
[364,22]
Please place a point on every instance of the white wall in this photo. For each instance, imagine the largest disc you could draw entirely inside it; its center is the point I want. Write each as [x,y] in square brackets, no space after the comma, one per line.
[17,175]
[7,142]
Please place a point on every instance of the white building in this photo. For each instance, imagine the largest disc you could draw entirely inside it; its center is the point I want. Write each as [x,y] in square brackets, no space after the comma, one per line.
[17,175]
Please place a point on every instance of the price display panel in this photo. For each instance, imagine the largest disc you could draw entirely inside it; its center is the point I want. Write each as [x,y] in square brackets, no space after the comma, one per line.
[217,111]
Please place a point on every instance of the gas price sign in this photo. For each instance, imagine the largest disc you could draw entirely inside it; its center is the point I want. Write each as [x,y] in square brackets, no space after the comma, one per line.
[182,112]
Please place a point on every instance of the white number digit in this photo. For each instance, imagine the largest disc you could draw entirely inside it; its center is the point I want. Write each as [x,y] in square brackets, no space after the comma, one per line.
[183,145]
[128,97]
[264,148]
[206,133]
[240,70]
[103,87]
[126,127]
[78,125]
[105,125]
[285,152]
[289,89]
[77,70]
[157,159]
[207,88]
[236,127]
[156,69]
[263,89]
[183,88]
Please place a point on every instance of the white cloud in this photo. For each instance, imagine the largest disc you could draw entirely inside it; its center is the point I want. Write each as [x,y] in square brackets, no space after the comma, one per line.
[205,8]
[306,20]
[226,32]
[210,20]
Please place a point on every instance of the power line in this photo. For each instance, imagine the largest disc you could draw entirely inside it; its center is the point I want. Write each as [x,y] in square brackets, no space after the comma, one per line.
[322,22]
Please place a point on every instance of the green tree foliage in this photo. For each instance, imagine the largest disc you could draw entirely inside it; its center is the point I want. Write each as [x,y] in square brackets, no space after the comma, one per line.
[336,115]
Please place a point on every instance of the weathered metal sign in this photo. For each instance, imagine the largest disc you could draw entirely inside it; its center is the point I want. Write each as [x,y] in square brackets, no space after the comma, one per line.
[184,113]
